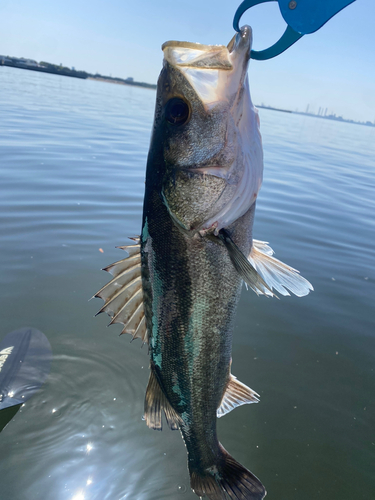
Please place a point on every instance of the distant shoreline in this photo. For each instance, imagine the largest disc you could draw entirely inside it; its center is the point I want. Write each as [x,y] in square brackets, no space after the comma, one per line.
[328,117]
[54,69]
[273,109]
[41,69]
[120,81]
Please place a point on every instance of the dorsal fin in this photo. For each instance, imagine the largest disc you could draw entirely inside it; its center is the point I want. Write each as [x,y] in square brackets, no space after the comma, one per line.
[236,394]
[155,402]
[123,296]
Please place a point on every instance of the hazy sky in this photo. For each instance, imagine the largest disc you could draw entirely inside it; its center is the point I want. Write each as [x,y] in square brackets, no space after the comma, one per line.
[333,68]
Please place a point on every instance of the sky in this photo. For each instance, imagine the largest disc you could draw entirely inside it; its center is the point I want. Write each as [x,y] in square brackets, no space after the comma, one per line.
[333,68]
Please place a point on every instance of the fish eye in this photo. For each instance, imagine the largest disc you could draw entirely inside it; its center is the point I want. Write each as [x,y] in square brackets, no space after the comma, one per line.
[176,111]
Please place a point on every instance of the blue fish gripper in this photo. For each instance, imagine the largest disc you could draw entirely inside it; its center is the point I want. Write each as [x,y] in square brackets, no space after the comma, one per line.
[302,17]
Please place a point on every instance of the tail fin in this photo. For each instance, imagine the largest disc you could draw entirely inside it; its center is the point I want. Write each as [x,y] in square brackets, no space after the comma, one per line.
[227,479]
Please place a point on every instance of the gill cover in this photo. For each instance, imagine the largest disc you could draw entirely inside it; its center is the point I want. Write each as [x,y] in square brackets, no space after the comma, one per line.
[214,155]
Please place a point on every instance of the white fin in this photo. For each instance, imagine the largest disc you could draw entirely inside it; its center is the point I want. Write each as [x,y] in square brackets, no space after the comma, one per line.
[123,296]
[155,402]
[276,274]
[236,394]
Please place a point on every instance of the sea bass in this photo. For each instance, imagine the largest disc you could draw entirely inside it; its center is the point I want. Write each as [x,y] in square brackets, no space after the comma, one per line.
[178,290]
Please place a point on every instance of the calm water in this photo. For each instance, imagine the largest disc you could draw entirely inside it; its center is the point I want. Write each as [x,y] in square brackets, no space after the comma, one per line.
[73,157]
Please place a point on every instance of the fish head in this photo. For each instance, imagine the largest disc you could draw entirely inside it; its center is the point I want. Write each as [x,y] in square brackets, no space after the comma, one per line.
[208,133]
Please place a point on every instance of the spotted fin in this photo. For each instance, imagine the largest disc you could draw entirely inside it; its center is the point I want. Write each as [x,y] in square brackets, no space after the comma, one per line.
[236,394]
[155,402]
[123,296]
[276,274]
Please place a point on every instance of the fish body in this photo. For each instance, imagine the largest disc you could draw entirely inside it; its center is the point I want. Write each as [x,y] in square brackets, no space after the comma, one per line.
[190,285]
[180,286]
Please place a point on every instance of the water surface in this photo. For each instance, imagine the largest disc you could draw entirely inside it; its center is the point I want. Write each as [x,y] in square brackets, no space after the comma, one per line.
[73,156]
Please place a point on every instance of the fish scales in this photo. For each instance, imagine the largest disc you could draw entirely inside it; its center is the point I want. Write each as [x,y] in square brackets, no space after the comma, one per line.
[204,172]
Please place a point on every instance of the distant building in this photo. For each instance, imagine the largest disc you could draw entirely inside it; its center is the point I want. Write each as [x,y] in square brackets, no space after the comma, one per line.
[129,79]
[27,62]
[4,59]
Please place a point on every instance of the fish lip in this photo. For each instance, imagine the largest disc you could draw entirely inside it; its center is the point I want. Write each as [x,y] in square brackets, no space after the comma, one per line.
[241,41]
[192,45]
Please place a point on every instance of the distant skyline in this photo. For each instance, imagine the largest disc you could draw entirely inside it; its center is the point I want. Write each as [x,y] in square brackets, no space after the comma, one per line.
[333,68]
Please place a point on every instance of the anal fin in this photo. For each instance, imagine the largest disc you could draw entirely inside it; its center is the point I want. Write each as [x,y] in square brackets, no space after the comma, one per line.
[155,402]
[236,394]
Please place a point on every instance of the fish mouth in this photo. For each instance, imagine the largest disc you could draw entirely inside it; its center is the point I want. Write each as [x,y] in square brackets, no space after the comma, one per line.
[198,55]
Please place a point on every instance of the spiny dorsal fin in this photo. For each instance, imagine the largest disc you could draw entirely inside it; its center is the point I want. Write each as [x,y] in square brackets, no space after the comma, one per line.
[155,402]
[131,249]
[276,274]
[244,268]
[236,394]
[123,296]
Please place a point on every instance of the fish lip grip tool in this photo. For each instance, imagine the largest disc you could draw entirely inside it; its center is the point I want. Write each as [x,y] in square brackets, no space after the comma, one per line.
[302,17]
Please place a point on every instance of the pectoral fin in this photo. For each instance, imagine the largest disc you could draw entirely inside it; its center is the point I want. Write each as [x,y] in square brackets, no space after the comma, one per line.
[245,269]
[236,394]
[123,296]
[276,274]
[262,272]
[155,402]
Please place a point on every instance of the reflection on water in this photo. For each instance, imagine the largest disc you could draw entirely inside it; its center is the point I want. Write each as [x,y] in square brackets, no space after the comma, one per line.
[72,178]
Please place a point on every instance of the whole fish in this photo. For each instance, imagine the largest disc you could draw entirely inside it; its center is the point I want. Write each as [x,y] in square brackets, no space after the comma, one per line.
[178,290]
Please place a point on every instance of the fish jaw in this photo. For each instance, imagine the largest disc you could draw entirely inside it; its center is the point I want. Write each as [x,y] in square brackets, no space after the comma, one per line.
[214,161]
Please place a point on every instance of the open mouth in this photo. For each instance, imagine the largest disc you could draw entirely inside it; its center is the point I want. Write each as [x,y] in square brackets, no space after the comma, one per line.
[196,55]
